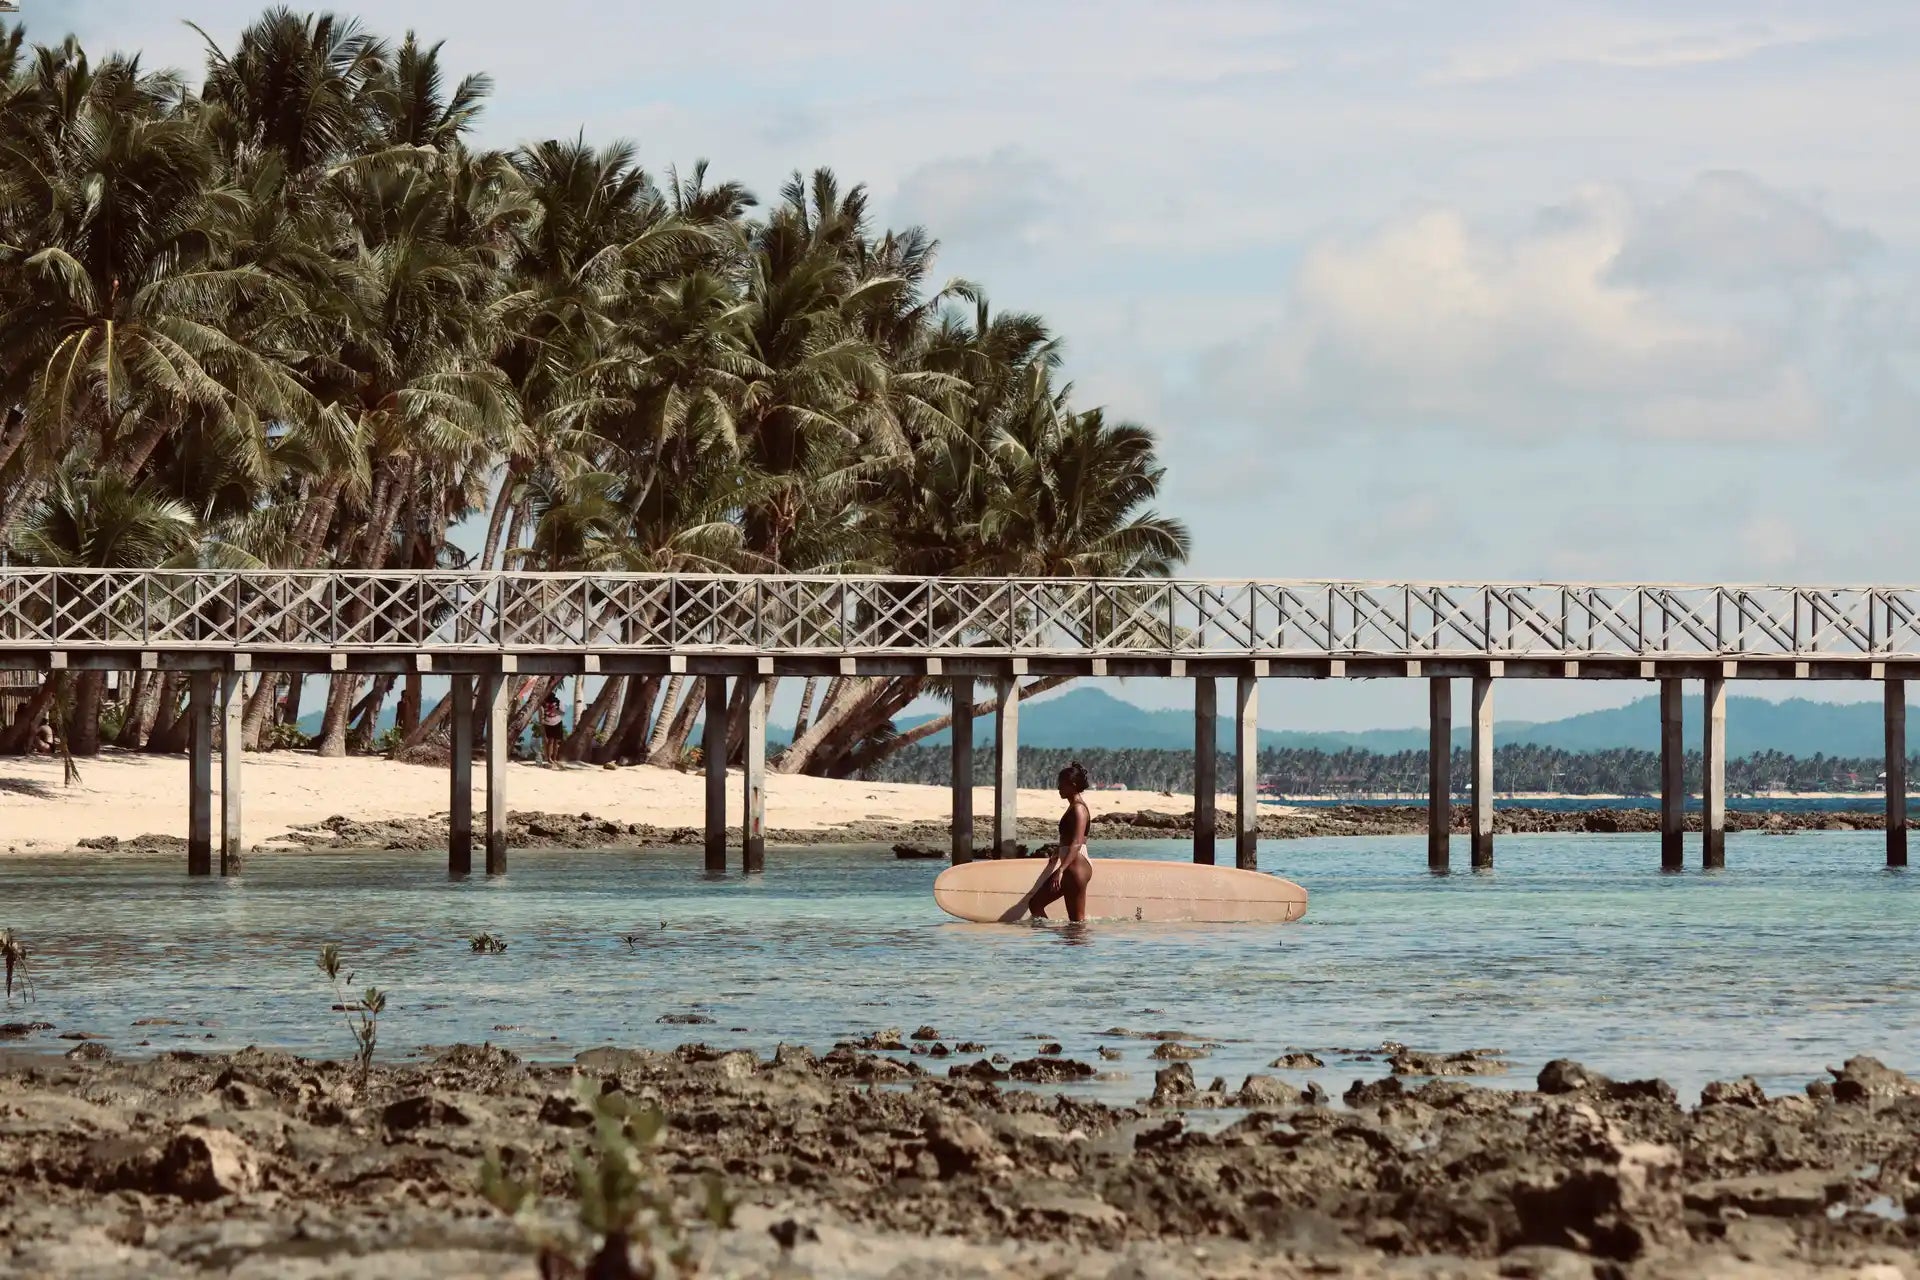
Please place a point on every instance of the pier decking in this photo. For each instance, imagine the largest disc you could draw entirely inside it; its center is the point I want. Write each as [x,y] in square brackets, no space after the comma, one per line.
[482,630]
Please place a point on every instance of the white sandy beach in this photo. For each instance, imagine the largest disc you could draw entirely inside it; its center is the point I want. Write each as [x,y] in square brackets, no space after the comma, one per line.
[130,794]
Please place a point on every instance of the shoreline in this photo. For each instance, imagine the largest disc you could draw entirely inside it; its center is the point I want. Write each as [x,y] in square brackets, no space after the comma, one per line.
[135,803]
[890,1156]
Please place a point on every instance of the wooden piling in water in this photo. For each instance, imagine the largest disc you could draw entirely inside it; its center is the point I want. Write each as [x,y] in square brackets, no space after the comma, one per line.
[1482,840]
[460,779]
[962,765]
[1896,717]
[1006,768]
[1673,777]
[713,746]
[1439,773]
[1713,776]
[753,813]
[233,706]
[1206,785]
[200,773]
[499,704]
[1246,791]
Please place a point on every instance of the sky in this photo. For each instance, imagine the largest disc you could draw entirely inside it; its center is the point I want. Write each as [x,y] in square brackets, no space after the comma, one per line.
[1508,291]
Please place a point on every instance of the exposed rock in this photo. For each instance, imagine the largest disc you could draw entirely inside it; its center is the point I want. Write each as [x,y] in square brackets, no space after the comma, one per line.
[1296,1062]
[205,1164]
[1744,1092]
[1468,1062]
[1173,1051]
[1049,1070]
[1265,1091]
[1864,1079]
[426,1110]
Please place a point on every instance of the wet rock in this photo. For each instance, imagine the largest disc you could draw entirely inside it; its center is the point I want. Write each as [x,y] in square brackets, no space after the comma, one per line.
[607,1060]
[1864,1079]
[1469,1062]
[1541,1262]
[1173,1051]
[926,1033]
[564,1110]
[1111,1055]
[1052,1048]
[1049,1070]
[924,852]
[685,1019]
[1622,1205]
[1123,1032]
[1173,1085]
[1744,1092]
[1296,1062]
[1368,1093]
[1799,1193]
[970,1046]
[1313,1095]
[1564,1075]
[423,1111]
[205,1164]
[960,1144]
[1265,1091]
[981,1070]
[88,1051]
[19,1030]
[795,1057]
[78,1035]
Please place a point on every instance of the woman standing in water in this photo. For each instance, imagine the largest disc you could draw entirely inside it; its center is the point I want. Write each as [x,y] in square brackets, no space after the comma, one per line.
[1069,871]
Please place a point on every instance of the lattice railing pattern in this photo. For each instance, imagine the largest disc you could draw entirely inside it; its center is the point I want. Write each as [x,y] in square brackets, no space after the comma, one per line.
[513,612]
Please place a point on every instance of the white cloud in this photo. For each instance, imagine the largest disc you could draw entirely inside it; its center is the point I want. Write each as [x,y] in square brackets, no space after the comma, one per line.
[980,198]
[1717,314]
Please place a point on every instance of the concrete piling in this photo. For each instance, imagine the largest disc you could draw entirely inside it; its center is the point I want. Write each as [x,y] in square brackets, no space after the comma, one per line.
[1673,778]
[1006,768]
[1206,787]
[962,768]
[1482,840]
[1439,773]
[713,746]
[1246,791]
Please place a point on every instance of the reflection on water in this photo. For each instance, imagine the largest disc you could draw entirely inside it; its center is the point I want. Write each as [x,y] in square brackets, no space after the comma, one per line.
[1576,946]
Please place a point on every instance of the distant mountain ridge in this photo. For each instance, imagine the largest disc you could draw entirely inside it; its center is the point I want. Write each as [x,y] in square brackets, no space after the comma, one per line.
[1091,717]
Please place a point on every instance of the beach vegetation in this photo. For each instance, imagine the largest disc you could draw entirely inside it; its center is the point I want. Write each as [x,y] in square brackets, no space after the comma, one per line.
[362,1012]
[290,310]
[487,944]
[627,1220]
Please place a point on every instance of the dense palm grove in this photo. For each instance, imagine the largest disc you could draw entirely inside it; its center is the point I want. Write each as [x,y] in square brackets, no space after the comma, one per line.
[1300,772]
[295,317]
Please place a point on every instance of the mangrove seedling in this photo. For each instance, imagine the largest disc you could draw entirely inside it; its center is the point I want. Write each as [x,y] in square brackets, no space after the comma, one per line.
[631,939]
[362,1015]
[487,944]
[14,953]
[627,1221]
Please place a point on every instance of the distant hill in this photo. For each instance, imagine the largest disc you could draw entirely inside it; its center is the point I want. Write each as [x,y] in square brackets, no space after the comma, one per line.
[1091,717]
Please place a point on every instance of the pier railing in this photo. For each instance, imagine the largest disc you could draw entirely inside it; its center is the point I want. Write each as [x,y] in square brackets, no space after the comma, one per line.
[521,612]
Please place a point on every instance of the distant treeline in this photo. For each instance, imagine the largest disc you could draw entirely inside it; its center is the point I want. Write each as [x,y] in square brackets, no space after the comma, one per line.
[1620,771]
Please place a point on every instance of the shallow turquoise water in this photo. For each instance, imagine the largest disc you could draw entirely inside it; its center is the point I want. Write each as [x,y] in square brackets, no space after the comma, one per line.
[1798,955]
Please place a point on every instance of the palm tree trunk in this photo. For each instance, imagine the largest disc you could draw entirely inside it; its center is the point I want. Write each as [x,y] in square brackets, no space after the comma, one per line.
[253,724]
[921,732]
[628,740]
[830,759]
[145,695]
[497,521]
[524,713]
[170,723]
[16,739]
[333,724]
[141,447]
[367,714]
[83,731]
[429,726]
[10,438]
[580,743]
[410,696]
[663,723]
[806,707]
[855,695]
[675,747]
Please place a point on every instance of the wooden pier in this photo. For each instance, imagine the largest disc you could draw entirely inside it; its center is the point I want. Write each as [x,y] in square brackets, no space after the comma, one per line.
[484,631]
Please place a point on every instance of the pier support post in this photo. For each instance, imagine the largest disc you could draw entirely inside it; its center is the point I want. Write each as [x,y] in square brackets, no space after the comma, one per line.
[1439,772]
[713,746]
[1673,778]
[499,703]
[962,770]
[1246,791]
[1482,771]
[1713,776]
[233,742]
[1006,768]
[460,779]
[1206,784]
[753,813]
[200,774]
[1896,698]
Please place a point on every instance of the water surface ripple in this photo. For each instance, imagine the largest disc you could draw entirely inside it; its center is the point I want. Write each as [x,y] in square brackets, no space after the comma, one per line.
[1798,955]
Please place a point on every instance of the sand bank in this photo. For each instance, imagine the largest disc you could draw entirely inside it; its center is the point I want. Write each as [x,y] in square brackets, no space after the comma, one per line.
[124,795]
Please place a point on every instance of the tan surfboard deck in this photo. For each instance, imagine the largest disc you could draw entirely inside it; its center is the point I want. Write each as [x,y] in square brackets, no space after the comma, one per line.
[997,891]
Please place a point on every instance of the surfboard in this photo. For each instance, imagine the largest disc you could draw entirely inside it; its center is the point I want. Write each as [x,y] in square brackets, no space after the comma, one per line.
[1123,889]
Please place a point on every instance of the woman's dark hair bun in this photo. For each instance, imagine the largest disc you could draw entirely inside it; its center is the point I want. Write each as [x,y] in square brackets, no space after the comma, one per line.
[1074,777]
